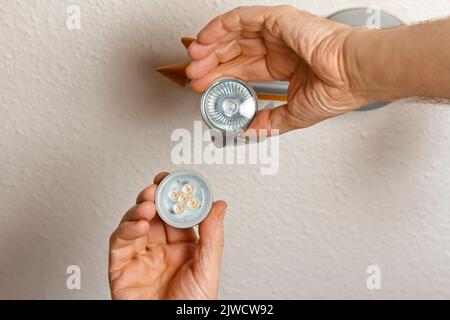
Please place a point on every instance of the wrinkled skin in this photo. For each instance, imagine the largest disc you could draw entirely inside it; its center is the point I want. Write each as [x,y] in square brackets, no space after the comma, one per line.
[149,259]
[279,44]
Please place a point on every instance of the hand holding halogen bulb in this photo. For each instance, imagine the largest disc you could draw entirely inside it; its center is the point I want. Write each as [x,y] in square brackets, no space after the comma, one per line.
[278,44]
[332,68]
[150,259]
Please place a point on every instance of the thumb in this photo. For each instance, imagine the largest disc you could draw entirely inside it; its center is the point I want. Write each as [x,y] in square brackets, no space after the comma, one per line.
[208,257]
[211,229]
[271,119]
[212,237]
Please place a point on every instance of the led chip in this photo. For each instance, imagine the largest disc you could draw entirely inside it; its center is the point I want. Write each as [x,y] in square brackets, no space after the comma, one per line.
[183,198]
[174,195]
[178,208]
[187,188]
[192,203]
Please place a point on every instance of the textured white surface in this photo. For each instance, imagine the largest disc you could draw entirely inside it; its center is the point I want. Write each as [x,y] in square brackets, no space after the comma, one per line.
[86,123]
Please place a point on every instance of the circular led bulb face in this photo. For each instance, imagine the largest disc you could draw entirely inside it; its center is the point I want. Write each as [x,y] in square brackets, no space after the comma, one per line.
[183,199]
[229,105]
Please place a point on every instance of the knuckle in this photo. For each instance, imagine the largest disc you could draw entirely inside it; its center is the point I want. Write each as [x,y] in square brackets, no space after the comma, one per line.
[143,207]
[285,7]
[139,196]
[112,239]
[188,70]
[191,51]
[147,193]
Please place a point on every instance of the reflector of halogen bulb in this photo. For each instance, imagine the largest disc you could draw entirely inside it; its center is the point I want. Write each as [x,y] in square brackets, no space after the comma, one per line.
[229,105]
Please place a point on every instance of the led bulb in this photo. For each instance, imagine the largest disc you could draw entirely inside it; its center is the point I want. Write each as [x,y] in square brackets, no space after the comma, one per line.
[193,203]
[178,208]
[187,188]
[174,195]
[183,198]
[229,105]
[185,208]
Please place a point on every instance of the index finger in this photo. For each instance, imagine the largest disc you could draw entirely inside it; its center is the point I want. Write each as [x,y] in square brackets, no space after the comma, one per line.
[148,194]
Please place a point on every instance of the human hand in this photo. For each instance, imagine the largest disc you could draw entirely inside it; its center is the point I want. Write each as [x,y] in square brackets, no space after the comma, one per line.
[149,259]
[261,43]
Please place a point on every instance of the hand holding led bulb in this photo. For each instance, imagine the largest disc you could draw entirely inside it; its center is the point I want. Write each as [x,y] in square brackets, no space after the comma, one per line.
[150,259]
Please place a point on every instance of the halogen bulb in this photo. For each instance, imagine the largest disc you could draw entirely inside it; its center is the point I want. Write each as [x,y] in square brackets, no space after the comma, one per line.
[229,105]
[185,208]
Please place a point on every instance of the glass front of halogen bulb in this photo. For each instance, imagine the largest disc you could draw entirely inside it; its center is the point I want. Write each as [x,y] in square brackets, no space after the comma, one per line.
[183,199]
[229,106]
